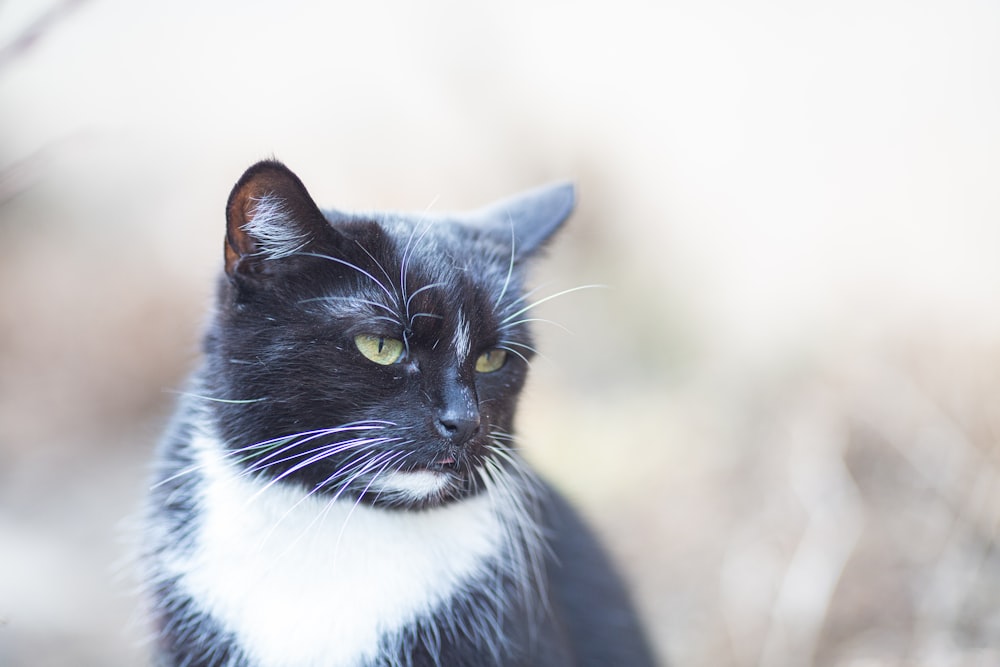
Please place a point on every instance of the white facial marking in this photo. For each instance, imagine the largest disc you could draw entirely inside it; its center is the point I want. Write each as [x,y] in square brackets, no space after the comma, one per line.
[302,581]
[274,229]
[414,485]
[463,341]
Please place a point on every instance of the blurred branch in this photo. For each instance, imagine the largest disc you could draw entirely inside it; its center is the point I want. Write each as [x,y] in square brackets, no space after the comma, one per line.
[18,177]
[35,31]
[827,491]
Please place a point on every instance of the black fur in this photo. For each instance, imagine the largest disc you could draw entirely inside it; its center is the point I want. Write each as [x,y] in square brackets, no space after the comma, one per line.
[281,369]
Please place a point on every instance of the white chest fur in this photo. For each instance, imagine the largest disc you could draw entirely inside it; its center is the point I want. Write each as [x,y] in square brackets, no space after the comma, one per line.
[301,581]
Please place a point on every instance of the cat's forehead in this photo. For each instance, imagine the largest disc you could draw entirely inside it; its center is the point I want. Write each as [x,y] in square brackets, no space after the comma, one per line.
[437,245]
[428,274]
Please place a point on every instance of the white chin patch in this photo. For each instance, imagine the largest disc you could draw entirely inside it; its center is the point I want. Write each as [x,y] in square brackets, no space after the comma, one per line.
[415,484]
[303,581]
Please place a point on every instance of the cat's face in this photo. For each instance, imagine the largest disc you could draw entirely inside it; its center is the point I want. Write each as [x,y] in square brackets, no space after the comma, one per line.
[378,357]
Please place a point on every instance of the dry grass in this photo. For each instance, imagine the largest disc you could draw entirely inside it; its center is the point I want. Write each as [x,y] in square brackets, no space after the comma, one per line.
[841,513]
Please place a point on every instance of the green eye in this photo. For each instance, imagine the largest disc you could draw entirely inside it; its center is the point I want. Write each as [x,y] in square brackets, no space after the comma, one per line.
[381,350]
[491,360]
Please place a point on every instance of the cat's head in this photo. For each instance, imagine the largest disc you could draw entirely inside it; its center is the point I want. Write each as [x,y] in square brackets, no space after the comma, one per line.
[379,356]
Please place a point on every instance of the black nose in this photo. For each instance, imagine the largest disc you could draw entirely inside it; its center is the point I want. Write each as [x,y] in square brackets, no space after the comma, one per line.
[458,425]
[456,415]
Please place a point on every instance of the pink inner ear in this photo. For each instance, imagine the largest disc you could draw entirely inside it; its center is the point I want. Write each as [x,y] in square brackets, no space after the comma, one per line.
[238,213]
[269,215]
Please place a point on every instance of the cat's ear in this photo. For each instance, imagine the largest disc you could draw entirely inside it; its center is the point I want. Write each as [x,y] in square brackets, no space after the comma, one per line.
[530,217]
[269,216]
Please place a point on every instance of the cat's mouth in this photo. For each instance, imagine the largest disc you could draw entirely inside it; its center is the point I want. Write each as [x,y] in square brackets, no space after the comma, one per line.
[428,482]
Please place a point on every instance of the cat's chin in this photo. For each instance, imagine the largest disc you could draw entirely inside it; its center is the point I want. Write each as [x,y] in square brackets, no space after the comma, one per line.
[418,484]
[416,489]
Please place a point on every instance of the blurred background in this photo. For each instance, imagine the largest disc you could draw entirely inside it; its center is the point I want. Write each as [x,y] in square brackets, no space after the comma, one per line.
[782,414]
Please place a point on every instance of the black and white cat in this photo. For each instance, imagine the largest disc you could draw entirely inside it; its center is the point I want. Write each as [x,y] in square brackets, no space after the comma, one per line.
[340,488]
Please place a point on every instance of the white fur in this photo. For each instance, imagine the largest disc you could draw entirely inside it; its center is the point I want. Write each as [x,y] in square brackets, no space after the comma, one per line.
[414,485]
[274,229]
[304,582]
[463,340]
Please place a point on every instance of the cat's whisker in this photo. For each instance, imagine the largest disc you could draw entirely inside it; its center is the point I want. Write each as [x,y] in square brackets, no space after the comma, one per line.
[280,448]
[523,346]
[520,497]
[524,298]
[343,526]
[399,468]
[287,512]
[522,564]
[306,436]
[310,461]
[319,453]
[401,456]
[350,471]
[347,468]
[504,435]
[316,518]
[352,300]
[534,304]
[529,320]
[430,315]
[409,300]
[231,401]
[332,500]
[357,268]
[198,466]
[377,263]
[322,453]
[510,266]
[392,320]
[513,351]
[404,264]
[184,472]
[275,447]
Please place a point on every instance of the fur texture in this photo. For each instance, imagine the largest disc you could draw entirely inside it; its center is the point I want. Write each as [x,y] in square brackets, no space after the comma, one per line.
[340,486]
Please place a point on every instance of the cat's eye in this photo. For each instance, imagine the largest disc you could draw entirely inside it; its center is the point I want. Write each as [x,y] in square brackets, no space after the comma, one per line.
[380,349]
[491,360]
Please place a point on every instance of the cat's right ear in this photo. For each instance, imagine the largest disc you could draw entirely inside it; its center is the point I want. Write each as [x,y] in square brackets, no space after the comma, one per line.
[529,218]
[269,216]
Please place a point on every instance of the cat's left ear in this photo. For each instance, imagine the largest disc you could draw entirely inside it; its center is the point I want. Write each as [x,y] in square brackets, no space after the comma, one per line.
[269,216]
[530,217]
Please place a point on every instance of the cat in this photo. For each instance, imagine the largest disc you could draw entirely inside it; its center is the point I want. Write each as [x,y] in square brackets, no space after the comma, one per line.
[339,487]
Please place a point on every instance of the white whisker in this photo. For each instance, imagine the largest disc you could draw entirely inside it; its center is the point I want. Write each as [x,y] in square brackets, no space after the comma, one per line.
[354,300]
[549,298]
[408,253]
[510,266]
[318,457]
[357,268]
[528,320]
[377,263]
[350,513]
[232,401]
[513,351]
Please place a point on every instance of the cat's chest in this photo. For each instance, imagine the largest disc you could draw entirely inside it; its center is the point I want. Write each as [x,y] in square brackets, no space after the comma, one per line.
[300,581]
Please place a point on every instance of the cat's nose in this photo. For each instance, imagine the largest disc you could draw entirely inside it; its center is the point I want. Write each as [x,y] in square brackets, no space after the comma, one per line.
[457,413]
[458,425]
